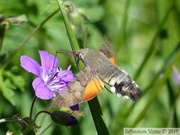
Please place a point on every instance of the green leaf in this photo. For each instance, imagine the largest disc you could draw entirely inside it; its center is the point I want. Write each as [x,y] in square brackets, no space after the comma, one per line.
[7,89]
[18,81]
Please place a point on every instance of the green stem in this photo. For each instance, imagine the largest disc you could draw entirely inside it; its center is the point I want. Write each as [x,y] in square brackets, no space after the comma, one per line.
[93,104]
[8,119]
[40,113]
[45,128]
[27,39]
[98,116]
[70,33]
[32,106]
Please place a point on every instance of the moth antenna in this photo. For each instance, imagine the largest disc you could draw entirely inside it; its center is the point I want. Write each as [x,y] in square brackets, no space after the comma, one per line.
[85,37]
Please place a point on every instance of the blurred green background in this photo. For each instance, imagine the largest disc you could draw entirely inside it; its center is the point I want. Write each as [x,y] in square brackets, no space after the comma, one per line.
[145,38]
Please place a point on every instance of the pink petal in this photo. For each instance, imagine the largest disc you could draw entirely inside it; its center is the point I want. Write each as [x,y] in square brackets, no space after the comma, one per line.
[41,90]
[30,65]
[66,75]
[49,63]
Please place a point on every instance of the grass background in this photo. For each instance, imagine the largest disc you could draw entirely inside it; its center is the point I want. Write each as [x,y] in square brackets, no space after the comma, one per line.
[145,38]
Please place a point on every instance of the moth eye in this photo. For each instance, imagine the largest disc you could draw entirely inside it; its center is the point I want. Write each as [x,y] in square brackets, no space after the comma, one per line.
[80,56]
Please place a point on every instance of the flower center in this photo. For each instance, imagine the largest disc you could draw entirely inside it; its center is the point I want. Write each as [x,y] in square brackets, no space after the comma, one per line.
[55,82]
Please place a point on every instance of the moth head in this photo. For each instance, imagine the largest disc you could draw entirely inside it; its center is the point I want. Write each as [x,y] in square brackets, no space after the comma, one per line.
[81,54]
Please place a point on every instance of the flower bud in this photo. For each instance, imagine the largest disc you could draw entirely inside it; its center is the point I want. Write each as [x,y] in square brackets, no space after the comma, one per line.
[63,118]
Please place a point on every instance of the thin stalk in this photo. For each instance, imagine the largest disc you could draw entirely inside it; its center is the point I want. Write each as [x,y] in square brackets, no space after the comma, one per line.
[40,113]
[27,39]
[32,106]
[122,32]
[42,132]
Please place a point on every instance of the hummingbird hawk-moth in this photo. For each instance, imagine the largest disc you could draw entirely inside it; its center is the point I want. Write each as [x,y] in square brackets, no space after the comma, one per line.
[99,68]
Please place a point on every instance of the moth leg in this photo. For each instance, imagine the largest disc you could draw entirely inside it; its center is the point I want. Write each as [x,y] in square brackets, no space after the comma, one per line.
[109,89]
[77,64]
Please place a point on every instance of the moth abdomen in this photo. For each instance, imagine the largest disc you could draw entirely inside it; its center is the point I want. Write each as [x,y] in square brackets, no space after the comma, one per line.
[127,88]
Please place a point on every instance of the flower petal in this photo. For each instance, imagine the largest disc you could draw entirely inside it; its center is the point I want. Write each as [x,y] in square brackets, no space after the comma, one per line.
[74,107]
[30,65]
[49,63]
[41,90]
[66,75]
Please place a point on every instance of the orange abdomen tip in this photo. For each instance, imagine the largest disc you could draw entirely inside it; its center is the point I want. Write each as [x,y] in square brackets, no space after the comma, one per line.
[94,87]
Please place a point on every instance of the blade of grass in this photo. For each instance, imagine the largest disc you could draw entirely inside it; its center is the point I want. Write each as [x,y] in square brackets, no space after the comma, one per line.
[150,51]
[156,77]
[98,117]
[70,33]
[158,87]
[152,43]
[122,33]
[173,118]
[94,103]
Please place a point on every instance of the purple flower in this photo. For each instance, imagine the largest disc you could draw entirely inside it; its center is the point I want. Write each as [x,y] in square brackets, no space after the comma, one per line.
[50,78]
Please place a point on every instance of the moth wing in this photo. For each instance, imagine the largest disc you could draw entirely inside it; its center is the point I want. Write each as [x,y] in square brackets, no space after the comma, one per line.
[94,86]
[106,51]
[79,90]
[127,88]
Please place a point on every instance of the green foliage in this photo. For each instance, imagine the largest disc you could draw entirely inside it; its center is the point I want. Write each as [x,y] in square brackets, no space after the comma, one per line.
[143,34]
